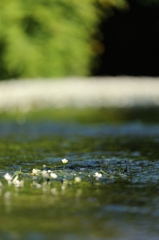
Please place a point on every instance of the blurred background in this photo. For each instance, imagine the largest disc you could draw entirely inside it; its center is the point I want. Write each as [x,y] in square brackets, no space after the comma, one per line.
[97,40]
[58,38]
[79,80]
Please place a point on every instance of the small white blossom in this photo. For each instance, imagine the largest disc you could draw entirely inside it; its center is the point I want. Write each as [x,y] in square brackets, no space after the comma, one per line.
[45,174]
[53,175]
[97,175]
[64,161]
[77,179]
[35,171]
[19,183]
[8,177]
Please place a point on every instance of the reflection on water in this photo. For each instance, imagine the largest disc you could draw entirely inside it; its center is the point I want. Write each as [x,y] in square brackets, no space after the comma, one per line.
[108,209]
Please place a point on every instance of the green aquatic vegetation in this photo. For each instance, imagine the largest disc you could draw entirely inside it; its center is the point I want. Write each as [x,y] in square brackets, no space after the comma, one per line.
[51,179]
[105,186]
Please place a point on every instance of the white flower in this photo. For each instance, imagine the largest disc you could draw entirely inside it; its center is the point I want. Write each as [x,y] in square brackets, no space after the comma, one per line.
[64,161]
[19,183]
[35,171]
[77,179]
[8,177]
[53,175]
[45,174]
[97,175]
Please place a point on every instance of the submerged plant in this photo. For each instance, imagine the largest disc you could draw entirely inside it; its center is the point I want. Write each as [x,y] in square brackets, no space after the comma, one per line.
[52,178]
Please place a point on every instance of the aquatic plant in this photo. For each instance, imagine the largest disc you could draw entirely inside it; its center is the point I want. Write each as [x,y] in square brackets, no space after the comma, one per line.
[48,178]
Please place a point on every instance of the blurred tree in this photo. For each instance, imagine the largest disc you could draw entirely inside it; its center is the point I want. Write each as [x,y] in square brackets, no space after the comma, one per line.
[47,38]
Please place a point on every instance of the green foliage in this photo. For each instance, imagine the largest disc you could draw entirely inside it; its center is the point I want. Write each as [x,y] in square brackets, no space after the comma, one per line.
[113,3]
[46,38]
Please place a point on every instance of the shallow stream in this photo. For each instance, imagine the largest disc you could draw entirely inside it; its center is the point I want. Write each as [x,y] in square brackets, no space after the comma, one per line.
[123,203]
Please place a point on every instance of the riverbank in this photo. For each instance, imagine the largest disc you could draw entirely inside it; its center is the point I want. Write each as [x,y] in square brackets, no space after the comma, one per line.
[79,92]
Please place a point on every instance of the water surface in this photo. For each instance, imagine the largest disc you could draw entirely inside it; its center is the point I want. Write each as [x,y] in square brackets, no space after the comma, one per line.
[123,204]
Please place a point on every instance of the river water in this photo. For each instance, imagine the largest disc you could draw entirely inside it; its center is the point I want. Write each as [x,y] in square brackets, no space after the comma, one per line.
[121,204]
